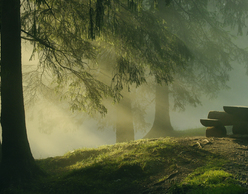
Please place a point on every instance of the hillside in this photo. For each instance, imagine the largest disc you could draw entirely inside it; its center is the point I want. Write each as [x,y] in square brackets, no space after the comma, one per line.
[163,165]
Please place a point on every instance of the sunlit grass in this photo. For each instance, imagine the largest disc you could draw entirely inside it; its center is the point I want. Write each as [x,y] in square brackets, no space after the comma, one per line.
[209,178]
[211,181]
[134,167]
[118,168]
[140,151]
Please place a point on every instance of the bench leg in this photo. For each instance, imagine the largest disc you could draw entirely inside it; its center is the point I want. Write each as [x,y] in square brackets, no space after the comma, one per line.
[240,128]
[216,131]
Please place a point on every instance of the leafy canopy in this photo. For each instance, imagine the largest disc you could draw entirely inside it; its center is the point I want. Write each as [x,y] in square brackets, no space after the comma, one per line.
[70,35]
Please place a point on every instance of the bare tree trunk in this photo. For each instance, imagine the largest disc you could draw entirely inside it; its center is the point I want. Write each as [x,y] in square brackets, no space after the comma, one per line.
[17,161]
[0,152]
[162,124]
[124,124]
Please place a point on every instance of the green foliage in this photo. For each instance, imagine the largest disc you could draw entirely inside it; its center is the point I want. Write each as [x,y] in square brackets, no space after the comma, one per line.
[63,47]
[204,26]
[234,14]
[60,31]
[185,41]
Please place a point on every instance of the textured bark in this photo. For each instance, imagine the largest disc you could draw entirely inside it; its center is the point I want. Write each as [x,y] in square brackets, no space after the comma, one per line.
[17,161]
[161,125]
[124,124]
[0,152]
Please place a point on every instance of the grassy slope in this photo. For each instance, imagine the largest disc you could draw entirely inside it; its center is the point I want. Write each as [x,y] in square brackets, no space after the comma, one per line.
[191,132]
[143,166]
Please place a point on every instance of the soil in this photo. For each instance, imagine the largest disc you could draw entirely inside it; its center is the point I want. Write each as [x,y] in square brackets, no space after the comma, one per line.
[234,148]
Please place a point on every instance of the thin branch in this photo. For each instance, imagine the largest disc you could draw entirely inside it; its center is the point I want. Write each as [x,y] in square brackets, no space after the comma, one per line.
[37,40]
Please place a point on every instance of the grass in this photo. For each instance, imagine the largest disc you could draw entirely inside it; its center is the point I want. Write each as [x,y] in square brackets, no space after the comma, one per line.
[209,179]
[142,166]
[191,132]
[120,168]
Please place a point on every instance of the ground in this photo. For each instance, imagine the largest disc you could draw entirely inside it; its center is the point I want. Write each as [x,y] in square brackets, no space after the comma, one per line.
[233,148]
[171,165]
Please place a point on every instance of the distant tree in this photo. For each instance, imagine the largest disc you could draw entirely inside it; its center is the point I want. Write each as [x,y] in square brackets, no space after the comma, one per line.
[138,37]
[161,126]
[205,28]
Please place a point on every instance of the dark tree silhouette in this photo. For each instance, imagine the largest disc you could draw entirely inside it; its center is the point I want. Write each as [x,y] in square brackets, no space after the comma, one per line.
[17,161]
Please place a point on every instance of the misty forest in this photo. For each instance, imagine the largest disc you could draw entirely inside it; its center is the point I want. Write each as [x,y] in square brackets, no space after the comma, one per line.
[106,96]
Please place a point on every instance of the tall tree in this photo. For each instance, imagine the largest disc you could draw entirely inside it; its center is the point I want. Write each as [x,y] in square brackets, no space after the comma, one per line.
[17,161]
[204,26]
[139,39]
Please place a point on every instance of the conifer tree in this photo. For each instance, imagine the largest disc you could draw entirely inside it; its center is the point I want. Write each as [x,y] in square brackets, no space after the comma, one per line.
[120,26]
[17,162]
[205,28]
[66,34]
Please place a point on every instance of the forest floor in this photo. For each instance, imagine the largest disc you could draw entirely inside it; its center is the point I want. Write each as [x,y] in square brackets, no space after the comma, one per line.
[229,154]
[171,165]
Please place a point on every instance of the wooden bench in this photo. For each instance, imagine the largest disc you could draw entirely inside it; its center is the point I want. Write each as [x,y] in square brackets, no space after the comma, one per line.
[236,116]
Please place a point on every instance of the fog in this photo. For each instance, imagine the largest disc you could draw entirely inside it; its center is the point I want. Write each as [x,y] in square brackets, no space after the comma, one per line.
[53,130]
[236,95]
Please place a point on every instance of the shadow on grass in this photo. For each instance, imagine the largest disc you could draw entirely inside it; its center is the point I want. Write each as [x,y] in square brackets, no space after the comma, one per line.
[143,166]
[131,169]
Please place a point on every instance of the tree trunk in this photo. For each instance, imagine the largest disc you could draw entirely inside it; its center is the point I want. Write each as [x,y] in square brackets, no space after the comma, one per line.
[0,152]
[17,161]
[161,125]
[124,124]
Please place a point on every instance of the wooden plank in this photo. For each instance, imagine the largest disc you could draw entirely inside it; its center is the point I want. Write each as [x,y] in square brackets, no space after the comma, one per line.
[210,122]
[225,118]
[236,109]
[239,111]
